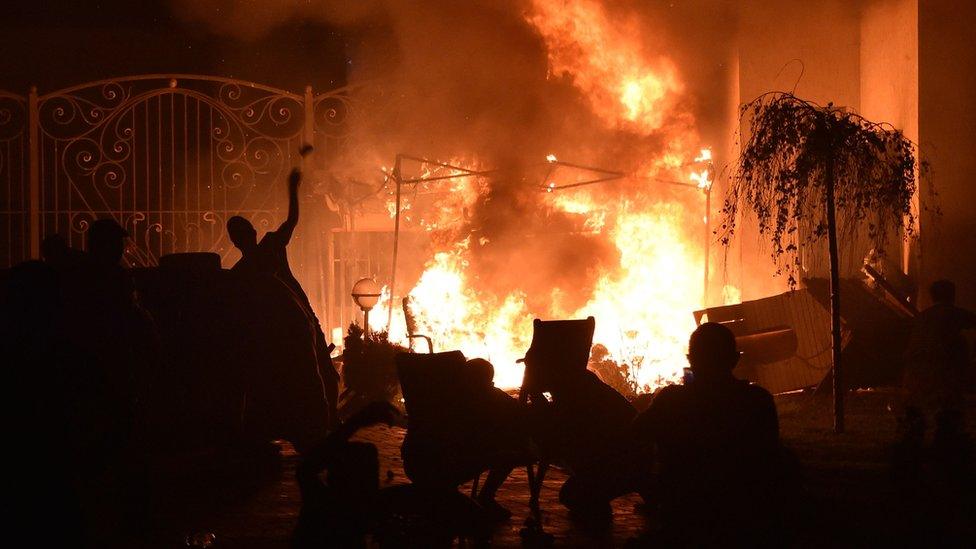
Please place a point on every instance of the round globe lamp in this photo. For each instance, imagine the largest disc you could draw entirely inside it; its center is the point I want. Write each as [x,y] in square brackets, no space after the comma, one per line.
[366,293]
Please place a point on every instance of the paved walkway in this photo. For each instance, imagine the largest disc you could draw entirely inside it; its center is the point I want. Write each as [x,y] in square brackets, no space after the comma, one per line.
[264,513]
[846,475]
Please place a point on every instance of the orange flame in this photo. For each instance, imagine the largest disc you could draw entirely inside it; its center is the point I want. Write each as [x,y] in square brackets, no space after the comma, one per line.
[643,302]
[624,88]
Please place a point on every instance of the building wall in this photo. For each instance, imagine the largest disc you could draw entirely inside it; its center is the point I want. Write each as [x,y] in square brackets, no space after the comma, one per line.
[889,93]
[889,63]
[908,62]
[814,48]
[947,127]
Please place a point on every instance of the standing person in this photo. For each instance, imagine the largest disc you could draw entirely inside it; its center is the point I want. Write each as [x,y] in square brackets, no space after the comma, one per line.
[265,271]
[106,346]
[938,359]
[717,442]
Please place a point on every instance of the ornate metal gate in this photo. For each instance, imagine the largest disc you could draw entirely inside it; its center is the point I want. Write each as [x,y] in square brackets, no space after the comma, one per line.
[14,191]
[170,157]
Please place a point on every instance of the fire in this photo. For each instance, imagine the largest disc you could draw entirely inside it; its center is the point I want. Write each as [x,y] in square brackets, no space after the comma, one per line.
[703,177]
[643,309]
[605,60]
[643,299]
[457,317]
[643,305]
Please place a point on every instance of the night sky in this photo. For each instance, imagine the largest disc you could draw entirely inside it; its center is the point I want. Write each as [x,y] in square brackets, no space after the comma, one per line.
[57,43]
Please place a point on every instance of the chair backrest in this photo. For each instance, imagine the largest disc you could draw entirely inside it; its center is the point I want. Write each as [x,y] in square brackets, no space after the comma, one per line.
[434,386]
[408,316]
[559,347]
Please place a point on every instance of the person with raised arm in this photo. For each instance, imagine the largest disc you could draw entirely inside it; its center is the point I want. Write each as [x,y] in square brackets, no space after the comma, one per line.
[283,318]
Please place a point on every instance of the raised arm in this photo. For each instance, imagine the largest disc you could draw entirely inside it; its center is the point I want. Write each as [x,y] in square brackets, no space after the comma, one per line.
[288,227]
[294,180]
[319,457]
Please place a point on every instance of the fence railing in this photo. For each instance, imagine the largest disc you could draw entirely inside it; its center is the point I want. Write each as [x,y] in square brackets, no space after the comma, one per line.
[170,157]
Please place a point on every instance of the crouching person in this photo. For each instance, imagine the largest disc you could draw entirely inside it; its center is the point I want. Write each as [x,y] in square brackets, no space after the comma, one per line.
[463,428]
[341,508]
[586,429]
[723,473]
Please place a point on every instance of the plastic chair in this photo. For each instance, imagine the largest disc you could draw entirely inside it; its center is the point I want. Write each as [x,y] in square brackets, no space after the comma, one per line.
[558,348]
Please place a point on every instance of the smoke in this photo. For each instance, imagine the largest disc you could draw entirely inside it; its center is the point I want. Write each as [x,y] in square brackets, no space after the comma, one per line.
[451,78]
[474,80]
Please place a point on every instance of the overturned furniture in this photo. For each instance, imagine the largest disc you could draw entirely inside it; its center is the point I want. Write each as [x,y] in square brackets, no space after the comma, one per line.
[785,339]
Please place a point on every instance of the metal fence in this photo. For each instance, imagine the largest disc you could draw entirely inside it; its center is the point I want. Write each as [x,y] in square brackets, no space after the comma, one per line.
[169,157]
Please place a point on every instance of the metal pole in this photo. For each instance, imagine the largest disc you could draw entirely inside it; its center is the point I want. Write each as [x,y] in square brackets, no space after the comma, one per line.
[707,220]
[365,324]
[396,244]
[835,334]
[330,313]
[308,137]
[34,146]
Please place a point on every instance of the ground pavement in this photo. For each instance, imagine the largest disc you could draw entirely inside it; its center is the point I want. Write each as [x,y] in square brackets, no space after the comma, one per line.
[847,482]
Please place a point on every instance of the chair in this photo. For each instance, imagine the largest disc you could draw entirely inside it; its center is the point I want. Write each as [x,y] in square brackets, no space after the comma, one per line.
[411,321]
[558,348]
[435,387]
[430,383]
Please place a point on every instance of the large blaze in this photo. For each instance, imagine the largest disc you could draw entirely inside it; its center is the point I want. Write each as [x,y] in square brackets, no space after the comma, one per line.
[622,85]
[643,298]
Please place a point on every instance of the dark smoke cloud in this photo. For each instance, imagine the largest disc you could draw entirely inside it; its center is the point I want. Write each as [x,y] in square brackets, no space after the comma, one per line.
[465,79]
[451,78]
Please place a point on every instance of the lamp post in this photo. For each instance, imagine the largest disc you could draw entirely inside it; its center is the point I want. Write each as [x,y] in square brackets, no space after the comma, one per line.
[366,293]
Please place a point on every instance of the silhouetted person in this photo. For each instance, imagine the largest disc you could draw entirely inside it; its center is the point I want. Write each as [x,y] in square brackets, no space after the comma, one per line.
[345,504]
[106,242]
[480,428]
[586,428]
[118,345]
[99,345]
[338,510]
[269,256]
[501,433]
[115,328]
[38,409]
[938,364]
[57,253]
[293,353]
[717,442]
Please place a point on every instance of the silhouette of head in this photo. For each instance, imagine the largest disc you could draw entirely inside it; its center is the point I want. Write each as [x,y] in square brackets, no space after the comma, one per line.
[712,351]
[106,241]
[482,371]
[241,232]
[943,291]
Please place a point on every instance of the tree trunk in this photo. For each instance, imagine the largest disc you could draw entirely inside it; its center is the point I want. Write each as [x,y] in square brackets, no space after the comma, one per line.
[834,299]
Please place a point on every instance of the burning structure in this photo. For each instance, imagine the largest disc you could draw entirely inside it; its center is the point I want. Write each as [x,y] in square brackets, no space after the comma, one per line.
[568,150]
[580,189]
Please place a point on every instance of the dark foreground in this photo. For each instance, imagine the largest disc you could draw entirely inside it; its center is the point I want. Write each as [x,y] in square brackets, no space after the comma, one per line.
[851,497]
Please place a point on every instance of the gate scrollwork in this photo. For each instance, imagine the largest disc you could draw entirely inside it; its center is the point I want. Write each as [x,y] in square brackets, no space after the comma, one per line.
[169,157]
